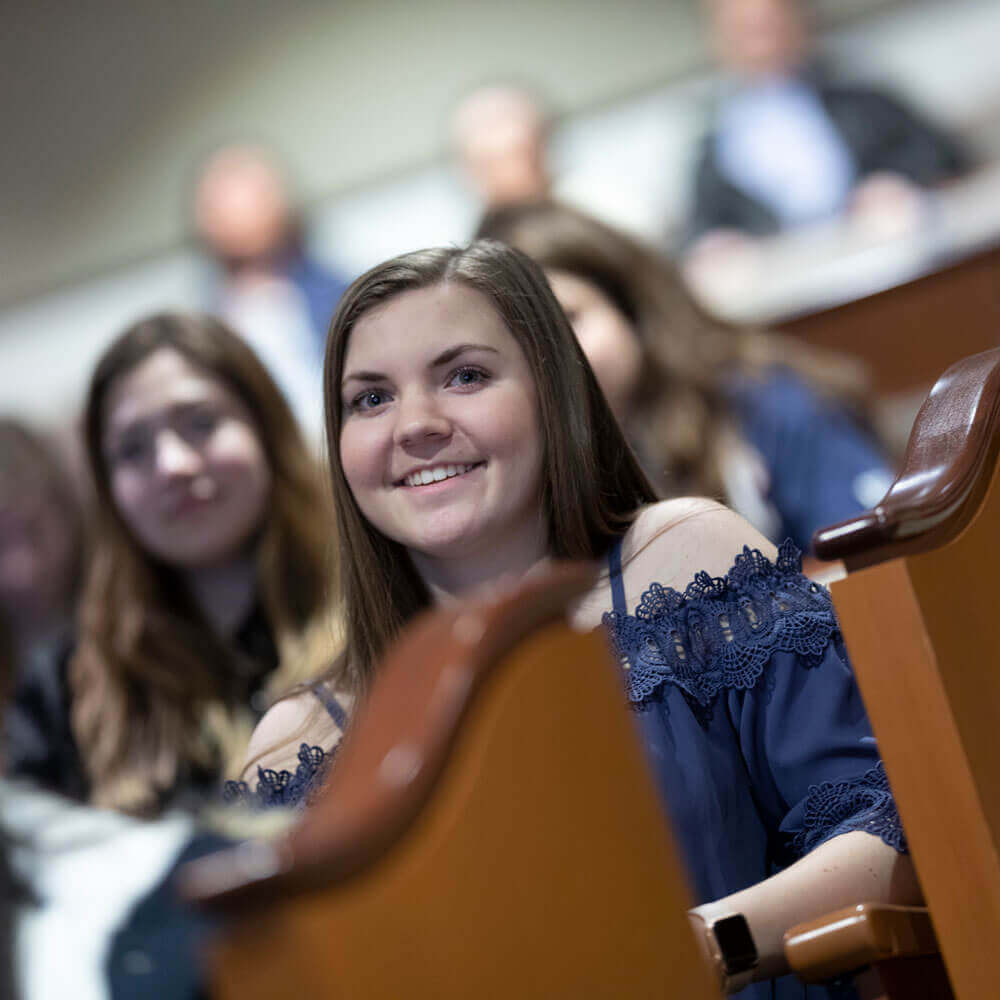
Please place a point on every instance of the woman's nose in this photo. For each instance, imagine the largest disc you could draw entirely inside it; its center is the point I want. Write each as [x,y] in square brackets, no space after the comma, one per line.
[175,456]
[420,419]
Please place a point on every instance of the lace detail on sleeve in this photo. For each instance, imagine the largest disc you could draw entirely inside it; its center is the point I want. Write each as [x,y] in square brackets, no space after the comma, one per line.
[861,803]
[720,633]
[284,788]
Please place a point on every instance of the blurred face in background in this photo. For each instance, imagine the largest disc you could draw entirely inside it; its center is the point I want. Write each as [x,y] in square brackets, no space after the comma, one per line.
[758,38]
[500,136]
[186,467]
[605,335]
[241,206]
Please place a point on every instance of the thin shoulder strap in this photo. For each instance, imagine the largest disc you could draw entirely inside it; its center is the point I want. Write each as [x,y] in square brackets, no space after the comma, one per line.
[330,703]
[615,570]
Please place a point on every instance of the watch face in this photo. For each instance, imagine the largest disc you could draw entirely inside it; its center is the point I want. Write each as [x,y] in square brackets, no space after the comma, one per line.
[736,943]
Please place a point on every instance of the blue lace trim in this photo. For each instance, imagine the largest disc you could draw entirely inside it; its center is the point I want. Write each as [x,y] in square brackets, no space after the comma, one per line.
[720,633]
[861,803]
[284,788]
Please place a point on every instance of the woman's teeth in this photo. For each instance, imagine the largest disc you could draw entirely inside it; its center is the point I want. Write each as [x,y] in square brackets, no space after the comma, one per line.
[436,475]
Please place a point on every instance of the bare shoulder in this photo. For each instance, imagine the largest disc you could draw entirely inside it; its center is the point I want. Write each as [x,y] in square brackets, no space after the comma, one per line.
[671,541]
[299,718]
[668,543]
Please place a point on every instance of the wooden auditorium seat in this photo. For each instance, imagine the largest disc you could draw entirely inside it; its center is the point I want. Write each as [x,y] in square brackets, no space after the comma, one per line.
[491,830]
[920,612]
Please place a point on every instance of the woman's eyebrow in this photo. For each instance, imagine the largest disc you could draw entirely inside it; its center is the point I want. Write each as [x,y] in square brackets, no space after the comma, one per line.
[454,352]
[442,359]
[363,377]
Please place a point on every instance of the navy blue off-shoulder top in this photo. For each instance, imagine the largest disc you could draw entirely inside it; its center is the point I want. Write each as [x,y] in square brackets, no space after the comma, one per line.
[751,720]
[753,724]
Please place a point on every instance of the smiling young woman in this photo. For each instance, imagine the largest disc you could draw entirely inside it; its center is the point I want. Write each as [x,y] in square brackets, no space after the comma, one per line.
[461,359]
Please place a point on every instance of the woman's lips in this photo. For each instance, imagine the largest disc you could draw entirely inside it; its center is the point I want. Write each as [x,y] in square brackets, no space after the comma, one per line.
[199,495]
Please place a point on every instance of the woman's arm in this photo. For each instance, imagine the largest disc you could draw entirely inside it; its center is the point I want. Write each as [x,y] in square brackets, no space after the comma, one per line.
[855,867]
[802,732]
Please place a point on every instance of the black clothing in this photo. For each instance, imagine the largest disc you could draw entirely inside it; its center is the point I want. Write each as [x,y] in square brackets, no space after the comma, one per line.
[38,736]
[39,744]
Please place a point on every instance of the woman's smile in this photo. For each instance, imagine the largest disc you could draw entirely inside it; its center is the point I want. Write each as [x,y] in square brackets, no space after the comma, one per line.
[433,475]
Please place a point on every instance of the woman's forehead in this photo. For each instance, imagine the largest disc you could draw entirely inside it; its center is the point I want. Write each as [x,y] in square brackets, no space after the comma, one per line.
[419,322]
[163,379]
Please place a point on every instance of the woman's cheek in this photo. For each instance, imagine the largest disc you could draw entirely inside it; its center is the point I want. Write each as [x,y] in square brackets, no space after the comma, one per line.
[358,455]
[127,494]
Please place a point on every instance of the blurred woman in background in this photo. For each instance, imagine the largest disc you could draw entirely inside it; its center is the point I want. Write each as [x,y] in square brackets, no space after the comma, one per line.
[41,565]
[207,594]
[41,539]
[768,425]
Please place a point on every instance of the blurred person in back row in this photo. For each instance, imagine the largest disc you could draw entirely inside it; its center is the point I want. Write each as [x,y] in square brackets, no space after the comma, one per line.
[207,590]
[790,144]
[269,287]
[41,543]
[772,427]
[500,134]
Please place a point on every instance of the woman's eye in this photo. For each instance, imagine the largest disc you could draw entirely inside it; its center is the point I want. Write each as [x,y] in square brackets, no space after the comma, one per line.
[128,451]
[371,399]
[202,421]
[467,377]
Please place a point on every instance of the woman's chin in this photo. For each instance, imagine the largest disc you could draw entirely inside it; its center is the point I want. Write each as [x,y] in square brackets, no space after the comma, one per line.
[440,545]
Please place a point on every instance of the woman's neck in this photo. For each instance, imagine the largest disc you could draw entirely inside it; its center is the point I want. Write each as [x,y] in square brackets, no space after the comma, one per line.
[448,579]
[225,594]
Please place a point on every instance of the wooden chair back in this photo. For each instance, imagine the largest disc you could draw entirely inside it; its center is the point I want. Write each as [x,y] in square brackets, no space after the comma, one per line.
[490,830]
[919,608]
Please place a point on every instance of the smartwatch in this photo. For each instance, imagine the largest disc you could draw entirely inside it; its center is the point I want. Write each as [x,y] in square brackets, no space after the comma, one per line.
[734,945]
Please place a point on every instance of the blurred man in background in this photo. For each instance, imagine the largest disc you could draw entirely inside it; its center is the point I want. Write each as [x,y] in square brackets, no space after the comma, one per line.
[788,145]
[268,288]
[500,135]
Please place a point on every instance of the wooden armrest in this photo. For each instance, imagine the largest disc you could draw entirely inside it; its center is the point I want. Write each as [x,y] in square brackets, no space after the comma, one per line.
[858,936]
[947,468]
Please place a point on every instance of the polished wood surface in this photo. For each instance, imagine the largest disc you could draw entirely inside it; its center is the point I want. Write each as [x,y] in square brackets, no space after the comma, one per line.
[540,866]
[919,621]
[857,936]
[945,472]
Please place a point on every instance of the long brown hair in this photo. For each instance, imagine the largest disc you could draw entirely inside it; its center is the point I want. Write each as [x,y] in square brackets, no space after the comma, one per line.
[149,674]
[679,421]
[593,484]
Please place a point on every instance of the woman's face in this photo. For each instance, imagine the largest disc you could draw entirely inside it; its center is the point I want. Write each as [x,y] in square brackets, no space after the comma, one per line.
[186,466]
[605,335]
[440,441]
